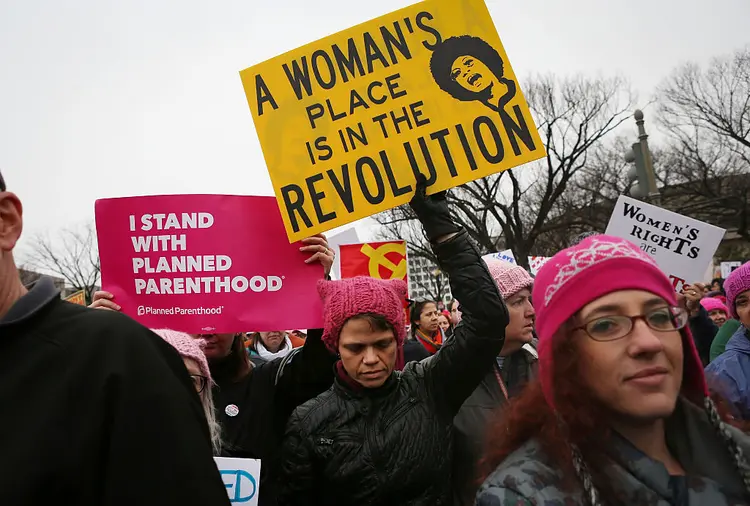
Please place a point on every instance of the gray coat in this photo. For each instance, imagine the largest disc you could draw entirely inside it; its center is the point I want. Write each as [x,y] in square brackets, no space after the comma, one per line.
[527,477]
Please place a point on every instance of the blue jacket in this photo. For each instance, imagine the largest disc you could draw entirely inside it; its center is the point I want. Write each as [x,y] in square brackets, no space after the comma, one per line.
[729,374]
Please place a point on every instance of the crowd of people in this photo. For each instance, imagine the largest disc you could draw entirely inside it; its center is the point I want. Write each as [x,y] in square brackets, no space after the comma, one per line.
[593,382]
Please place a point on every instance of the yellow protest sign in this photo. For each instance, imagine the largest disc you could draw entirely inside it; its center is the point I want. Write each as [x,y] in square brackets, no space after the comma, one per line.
[346,122]
[78,297]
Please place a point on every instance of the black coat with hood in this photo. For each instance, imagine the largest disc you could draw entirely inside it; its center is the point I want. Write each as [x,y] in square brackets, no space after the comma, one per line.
[392,445]
[253,411]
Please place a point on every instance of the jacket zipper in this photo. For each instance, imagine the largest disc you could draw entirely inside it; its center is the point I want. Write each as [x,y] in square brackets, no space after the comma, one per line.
[398,413]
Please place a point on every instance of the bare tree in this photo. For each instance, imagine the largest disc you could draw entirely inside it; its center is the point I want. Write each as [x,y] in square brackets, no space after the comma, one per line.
[72,254]
[707,113]
[513,209]
[712,103]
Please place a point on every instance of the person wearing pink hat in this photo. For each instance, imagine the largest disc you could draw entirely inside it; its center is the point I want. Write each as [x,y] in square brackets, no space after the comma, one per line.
[729,373]
[620,412]
[716,310]
[191,351]
[514,367]
[381,436]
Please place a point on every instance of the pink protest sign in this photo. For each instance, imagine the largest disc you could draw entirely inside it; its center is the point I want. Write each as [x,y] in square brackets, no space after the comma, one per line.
[205,263]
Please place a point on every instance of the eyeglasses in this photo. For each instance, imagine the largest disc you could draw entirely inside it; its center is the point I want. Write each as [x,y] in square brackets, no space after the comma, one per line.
[199,382]
[611,328]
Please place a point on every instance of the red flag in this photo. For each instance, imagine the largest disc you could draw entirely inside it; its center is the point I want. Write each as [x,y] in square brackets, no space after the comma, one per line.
[382,260]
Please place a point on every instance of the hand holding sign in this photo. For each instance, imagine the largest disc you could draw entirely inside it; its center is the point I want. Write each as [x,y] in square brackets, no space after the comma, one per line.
[318,245]
[104,300]
[433,212]
[426,89]
[693,295]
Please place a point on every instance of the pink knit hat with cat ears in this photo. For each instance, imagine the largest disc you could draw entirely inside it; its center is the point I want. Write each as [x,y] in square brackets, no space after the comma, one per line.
[510,278]
[187,347]
[350,297]
[597,266]
[712,304]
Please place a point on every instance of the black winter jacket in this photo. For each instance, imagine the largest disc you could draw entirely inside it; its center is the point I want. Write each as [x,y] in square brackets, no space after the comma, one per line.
[392,445]
[253,412]
[470,424]
[97,411]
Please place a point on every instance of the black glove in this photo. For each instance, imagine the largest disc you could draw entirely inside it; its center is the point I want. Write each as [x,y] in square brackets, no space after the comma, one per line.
[432,211]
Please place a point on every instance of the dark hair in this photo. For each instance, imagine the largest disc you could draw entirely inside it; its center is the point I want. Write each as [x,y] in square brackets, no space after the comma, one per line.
[445,54]
[378,323]
[416,313]
[237,362]
[721,283]
[2,183]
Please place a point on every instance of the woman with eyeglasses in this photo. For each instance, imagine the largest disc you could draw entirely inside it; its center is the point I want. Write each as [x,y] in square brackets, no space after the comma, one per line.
[620,412]
[191,351]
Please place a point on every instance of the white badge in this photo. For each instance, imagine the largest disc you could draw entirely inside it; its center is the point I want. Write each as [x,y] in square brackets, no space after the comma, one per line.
[232,410]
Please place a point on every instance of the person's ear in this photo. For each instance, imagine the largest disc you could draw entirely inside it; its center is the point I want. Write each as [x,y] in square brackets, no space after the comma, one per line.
[11,220]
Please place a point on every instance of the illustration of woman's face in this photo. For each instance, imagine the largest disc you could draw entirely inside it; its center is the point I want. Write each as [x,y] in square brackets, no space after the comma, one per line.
[471,74]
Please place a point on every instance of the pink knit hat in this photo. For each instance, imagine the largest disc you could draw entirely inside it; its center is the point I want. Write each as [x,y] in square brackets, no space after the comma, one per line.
[711,304]
[597,266]
[354,296]
[188,347]
[737,282]
[510,278]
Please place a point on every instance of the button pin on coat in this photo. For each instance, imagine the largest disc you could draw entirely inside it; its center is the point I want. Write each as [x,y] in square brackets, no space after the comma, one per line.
[232,410]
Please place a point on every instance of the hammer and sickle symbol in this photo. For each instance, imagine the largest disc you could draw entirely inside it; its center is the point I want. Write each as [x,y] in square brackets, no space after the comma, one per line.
[377,259]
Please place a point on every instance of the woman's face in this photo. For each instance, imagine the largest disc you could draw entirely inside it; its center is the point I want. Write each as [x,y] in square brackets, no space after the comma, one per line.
[273,340]
[718,316]
[199,381]
[520,329]
[742,305]
[428,318]
[471,74]
[443,322]
[455,313]
[368,355]
[637,376]
[218,346]
[715,286]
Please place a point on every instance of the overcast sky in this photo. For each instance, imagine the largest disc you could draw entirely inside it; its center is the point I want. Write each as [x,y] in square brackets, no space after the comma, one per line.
[100,98]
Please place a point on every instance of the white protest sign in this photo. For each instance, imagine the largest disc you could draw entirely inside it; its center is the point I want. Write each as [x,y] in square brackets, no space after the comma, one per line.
[728,267]
[683,247]
[535,263]
[506,255]
[241,477]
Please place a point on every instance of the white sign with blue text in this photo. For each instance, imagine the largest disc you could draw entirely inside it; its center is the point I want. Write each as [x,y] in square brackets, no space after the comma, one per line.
[506,255]
[241,478]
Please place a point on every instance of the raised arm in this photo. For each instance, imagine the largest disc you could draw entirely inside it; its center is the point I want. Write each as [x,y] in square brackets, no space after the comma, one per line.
[456,370]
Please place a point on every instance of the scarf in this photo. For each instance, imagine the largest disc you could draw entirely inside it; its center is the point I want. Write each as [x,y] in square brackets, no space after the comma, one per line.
[431,344]
[346,379]
[284,350]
